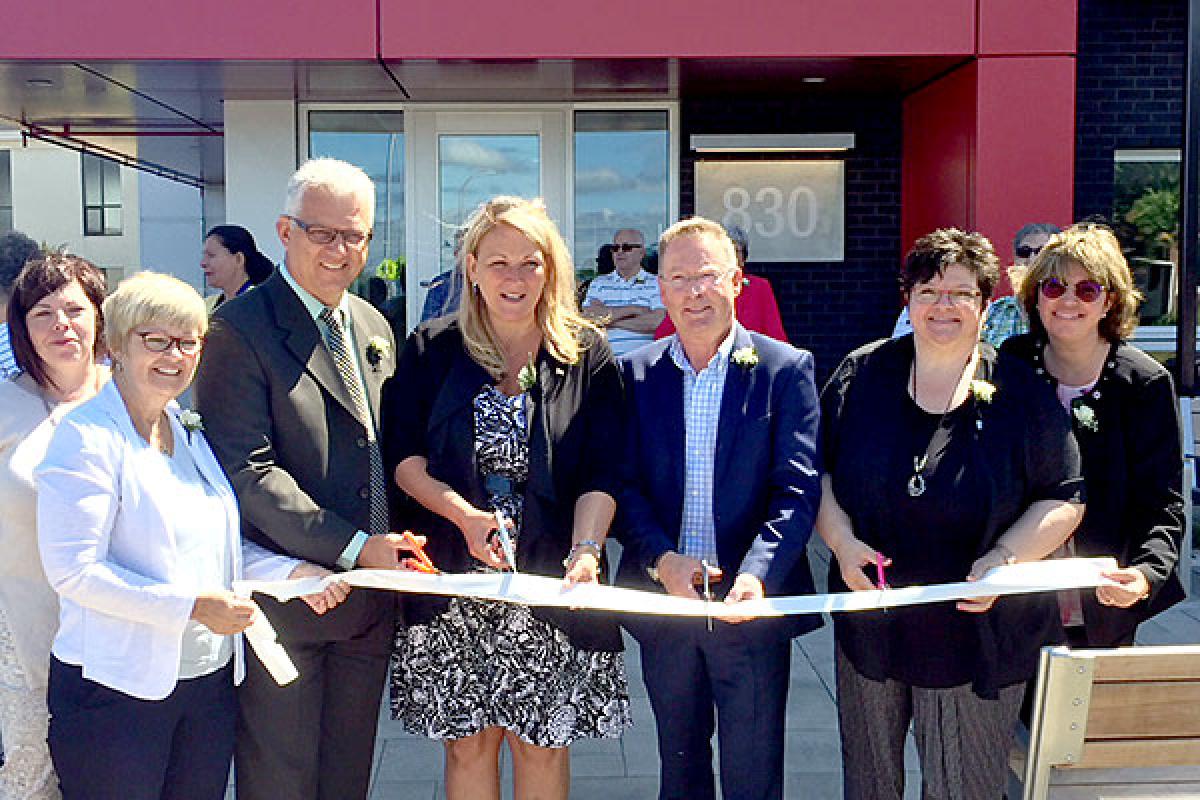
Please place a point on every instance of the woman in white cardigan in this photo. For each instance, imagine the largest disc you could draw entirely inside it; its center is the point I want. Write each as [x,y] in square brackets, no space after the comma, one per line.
[55,327]
[139,534]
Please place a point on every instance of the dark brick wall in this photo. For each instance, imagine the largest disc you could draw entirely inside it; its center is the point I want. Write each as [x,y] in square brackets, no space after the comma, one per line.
[1129,88]
[828,308]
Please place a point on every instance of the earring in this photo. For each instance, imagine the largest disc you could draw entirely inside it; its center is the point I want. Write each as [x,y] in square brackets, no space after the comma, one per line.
[117,366]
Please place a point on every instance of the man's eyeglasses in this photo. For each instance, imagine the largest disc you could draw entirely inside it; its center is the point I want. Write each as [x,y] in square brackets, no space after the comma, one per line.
[1086,291]
[1025,251]
[161,343]
[699,283]
[319,234]
[928,296]
[625,247]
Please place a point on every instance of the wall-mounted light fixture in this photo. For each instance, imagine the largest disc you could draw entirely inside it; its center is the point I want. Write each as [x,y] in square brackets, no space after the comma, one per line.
[772,143]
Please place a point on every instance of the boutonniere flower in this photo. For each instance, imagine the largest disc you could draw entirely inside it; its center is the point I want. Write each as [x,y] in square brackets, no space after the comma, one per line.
[983,391]
[378,348]
[191,421]
[527,377]
[745,357]
[1085,415]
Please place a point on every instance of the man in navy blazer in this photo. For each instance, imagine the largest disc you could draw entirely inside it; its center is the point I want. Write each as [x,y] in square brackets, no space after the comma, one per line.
[721,476]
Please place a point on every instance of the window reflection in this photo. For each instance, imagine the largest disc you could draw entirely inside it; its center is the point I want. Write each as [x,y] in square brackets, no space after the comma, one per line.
[1146,218]
[374,141]
[621,162]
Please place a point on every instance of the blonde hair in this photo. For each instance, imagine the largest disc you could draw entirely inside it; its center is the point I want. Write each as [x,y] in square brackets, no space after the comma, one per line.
[698,226]
[1098,253]
[151,297]
[565,332]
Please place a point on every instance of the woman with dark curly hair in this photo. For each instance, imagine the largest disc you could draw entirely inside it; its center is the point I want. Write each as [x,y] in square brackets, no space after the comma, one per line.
[931,473]
[1082,304]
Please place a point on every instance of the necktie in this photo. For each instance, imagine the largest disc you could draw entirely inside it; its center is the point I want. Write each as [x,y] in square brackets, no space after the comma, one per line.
[336,343]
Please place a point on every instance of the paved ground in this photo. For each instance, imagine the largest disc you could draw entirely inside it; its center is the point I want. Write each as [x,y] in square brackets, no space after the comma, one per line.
[408,767]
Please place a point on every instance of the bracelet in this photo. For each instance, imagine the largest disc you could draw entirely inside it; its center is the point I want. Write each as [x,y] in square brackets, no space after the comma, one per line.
[575,548]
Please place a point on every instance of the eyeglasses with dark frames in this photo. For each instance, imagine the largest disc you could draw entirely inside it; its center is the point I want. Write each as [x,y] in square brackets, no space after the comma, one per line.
[322,235]
[161,343]
[625,247]
[1026,251]
[1086,291]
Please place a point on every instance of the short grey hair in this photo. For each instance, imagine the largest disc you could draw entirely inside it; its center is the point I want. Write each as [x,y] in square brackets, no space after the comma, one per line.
[333,175]
[1032,228]
[739,237]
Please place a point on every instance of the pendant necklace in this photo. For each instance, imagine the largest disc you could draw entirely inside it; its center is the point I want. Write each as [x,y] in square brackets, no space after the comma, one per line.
[916,484]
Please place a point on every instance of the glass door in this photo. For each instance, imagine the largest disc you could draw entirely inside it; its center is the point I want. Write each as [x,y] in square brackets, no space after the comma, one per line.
[461,159]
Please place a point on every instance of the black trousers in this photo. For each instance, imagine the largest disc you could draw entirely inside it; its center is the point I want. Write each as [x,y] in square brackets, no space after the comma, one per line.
[107,745]
[734,677]
[314,739]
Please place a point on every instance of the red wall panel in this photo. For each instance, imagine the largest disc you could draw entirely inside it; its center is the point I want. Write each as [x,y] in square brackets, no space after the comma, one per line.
[1025,167]
[937,180]
[682,28]
[1027,27]
[211,29]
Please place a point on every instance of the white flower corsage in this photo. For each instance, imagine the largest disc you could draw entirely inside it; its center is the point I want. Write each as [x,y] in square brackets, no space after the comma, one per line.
[983,391]
[1085,415]
[745,357]
[191,421]
[378,348]
[527,377]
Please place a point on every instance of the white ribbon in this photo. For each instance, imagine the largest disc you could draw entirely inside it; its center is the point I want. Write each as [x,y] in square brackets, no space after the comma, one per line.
[536,590]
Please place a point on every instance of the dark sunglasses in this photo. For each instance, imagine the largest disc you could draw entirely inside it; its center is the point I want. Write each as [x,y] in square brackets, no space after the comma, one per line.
[626,247]
[1025,251]
[1087,291]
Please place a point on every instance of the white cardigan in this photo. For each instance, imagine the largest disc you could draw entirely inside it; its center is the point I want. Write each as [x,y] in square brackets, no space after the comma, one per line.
[106,537]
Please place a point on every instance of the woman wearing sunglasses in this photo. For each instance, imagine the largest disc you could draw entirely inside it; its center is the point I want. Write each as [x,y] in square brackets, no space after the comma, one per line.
[1082,303]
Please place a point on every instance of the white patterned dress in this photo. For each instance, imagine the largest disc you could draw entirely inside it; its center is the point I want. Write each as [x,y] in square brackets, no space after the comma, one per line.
[483,664]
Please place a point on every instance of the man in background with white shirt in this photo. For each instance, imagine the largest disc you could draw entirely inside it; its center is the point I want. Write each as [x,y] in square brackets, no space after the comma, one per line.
[626,301]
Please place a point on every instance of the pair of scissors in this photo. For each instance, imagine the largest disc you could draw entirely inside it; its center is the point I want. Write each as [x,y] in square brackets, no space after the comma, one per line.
[506,540]
[422,562]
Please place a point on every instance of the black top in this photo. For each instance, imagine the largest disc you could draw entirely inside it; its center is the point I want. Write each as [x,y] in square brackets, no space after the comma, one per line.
[1133,464]
[982,474]
[574,448]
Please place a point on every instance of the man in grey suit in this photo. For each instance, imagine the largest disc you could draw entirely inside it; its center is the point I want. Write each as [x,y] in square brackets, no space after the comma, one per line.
[289,390]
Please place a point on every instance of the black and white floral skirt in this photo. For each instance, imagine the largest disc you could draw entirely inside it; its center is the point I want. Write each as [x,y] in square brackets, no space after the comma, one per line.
[485,664]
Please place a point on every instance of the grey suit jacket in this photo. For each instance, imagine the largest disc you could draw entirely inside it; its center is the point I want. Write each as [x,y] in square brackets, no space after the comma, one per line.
[283,425]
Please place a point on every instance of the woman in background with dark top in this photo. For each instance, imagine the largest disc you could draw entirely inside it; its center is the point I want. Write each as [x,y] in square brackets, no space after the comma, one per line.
[1082,304]
[232,263]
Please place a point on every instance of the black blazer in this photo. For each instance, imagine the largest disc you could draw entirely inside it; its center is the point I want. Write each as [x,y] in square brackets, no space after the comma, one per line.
[574,448]
[285,430]
[1021,443]
[765,478]
[1133,465]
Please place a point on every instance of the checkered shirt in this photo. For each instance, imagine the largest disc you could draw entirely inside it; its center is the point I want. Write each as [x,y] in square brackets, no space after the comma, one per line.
[702,392]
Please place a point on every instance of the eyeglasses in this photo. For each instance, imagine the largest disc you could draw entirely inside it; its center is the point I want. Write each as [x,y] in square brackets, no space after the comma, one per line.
[319,234]
[161,343]
[927,296]
[699,283]
[1025,251]
[625,247]
[1086,291]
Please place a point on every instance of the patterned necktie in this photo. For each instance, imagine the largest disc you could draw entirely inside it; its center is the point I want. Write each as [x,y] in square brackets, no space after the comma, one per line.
[336,343]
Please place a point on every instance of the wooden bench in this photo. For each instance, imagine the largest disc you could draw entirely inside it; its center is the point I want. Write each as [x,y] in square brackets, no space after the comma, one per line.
[1115,723]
